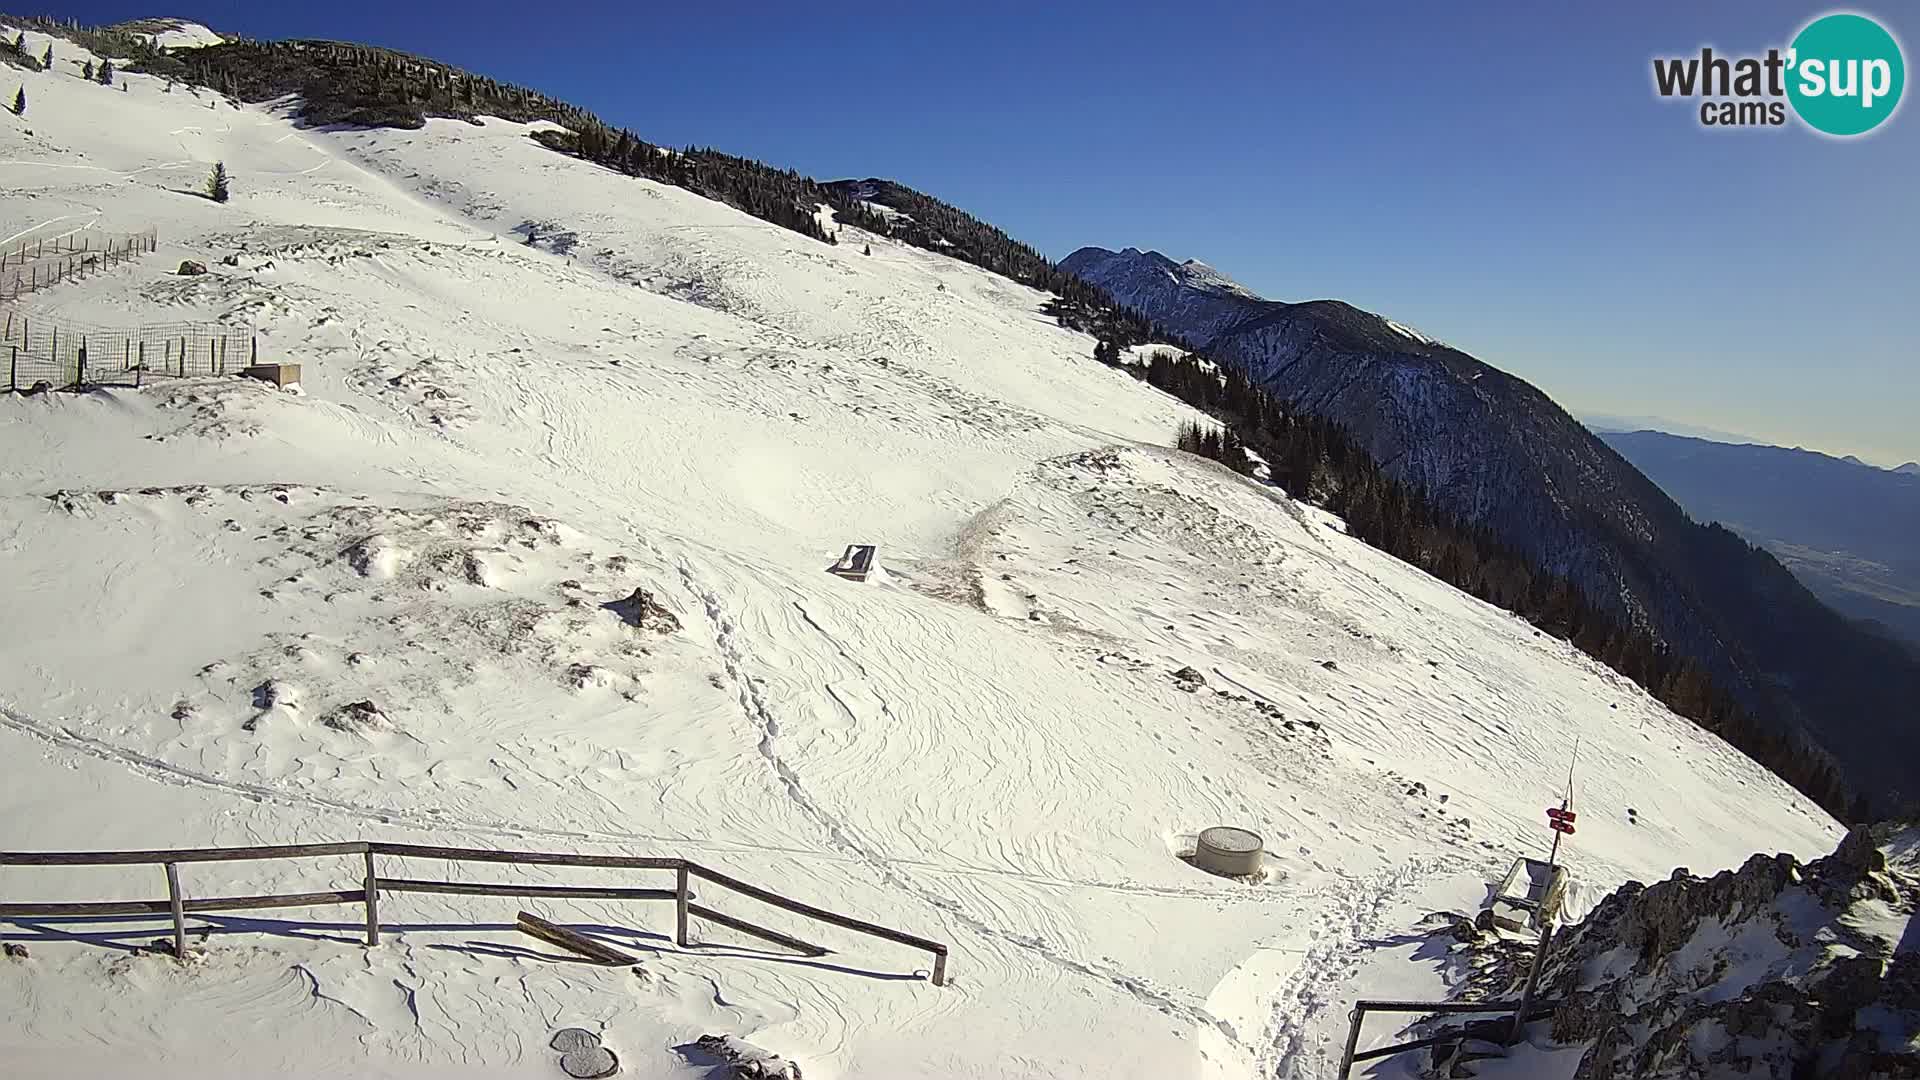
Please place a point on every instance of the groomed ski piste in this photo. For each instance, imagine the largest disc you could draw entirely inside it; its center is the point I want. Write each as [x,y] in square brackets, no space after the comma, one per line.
[492,439]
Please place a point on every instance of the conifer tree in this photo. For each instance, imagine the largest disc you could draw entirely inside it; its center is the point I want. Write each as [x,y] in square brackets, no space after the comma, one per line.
[867,249]
[20,102]
[217,182]
[86,71]
[106,73]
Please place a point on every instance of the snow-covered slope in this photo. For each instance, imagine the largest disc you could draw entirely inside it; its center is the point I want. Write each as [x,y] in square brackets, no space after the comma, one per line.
[497,438]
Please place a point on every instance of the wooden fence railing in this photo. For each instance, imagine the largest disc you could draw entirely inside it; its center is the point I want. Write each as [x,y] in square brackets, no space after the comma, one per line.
[372,884]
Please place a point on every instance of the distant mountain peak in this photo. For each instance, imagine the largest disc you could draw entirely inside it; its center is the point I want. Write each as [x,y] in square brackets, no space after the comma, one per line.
[1125,273]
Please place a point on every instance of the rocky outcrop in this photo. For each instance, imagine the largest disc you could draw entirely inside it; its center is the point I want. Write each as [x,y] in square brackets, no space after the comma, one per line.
[642,610]
[742,1059]
[1775,970]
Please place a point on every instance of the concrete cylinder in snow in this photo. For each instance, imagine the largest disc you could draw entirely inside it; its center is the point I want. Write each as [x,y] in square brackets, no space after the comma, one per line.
[1228,851]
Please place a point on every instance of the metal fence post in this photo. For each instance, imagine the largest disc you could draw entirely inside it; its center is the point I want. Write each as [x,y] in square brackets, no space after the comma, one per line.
[1355,1018]
[179,914]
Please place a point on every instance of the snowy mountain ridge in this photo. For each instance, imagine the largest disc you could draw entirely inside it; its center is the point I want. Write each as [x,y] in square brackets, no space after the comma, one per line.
[390,607]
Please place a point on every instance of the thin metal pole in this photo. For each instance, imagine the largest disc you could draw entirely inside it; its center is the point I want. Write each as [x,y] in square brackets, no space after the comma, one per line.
[179,915]
[1355,1017]
[373,903]
[940,969]
[680,907]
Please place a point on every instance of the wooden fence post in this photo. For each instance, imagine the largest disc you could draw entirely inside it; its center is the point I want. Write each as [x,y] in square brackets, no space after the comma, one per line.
[680,908]
[373,903]
[80,367]
[13,369]
[940,968]
[253,351]
[179,915]
[1533,980]
[141,369]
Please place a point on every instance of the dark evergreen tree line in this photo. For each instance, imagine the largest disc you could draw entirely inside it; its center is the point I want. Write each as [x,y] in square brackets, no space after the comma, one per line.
[1314,459]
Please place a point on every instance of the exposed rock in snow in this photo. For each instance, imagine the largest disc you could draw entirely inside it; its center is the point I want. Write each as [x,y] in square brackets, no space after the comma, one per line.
[1772,970]
[642,610]
[358,716]
[748,1061]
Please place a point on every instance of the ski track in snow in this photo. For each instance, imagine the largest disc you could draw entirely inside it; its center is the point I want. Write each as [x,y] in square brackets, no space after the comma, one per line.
[841,836]
[165,772]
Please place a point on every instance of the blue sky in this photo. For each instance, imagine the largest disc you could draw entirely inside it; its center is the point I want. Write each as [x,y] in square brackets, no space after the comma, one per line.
[1500,176]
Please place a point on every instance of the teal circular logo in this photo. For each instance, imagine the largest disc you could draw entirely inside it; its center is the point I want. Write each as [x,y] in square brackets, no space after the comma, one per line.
[1845,74]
